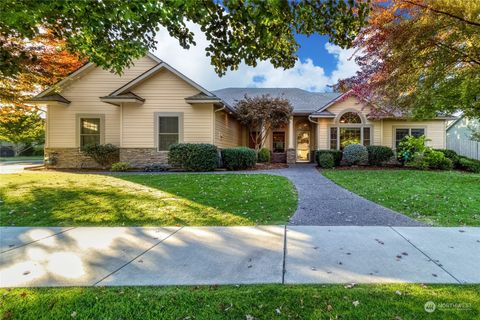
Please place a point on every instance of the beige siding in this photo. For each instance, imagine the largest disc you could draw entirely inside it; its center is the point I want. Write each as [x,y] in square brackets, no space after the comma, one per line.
[165,92]
[382,129]
[228,131]
[84,95]
[435,130]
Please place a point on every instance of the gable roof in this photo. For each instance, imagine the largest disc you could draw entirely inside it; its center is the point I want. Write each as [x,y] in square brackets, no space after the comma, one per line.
[303,102]
[54,97]
[79,71]
[152,71]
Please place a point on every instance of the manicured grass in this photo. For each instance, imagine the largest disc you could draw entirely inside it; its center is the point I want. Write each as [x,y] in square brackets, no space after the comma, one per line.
[66,199]
[441,198]
[21,158]
[243,302]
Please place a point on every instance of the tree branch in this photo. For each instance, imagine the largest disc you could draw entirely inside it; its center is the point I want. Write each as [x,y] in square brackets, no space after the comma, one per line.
[477,24]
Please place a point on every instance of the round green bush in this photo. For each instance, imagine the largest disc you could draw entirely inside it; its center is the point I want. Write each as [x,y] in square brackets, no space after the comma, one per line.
[377,155]
[337,155]
[194,156]
[452,155]
[103,154]
[355,154]
[240,158]
[469,164]
[326,161]
[264,155]
[120,167]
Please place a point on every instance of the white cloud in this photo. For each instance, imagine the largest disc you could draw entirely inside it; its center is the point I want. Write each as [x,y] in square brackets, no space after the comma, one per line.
[196,65]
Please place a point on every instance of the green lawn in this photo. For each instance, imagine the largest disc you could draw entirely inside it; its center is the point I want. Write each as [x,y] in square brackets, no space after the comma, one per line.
[67,199]
[441,198]
[243,302]
[21,158]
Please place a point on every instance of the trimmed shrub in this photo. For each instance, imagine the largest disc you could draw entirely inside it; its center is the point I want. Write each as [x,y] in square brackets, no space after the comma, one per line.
[120,167]
[409,146]
[103,154]
[469,164]
[377,155]
[337,156]
[326,161]
[264,155]
[193,156]
[156,167]
[450,154]
[430,159]
[355,154]
[240,158]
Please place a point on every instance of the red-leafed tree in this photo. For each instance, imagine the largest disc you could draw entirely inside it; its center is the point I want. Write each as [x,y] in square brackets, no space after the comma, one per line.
[21,123]
[419,58]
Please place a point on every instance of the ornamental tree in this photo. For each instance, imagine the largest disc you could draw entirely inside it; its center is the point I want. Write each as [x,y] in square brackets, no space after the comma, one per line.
[261,114]
[419,58]
[112,33]
[21,126]
[52,62]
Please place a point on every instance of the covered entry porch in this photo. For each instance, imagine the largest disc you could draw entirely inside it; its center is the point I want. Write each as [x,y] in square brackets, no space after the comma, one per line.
[294,143]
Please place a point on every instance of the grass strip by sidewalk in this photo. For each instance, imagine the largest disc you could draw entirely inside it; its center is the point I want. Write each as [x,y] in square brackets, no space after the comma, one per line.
[405,301]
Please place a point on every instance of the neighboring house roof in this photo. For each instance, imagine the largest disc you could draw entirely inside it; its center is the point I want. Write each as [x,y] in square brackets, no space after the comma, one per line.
[55,97]
[303,102]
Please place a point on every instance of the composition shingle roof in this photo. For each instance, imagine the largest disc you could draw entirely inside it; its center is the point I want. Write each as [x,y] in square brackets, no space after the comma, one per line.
[301,100]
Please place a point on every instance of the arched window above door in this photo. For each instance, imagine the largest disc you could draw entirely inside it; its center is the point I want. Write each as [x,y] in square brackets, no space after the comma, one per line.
[350,117]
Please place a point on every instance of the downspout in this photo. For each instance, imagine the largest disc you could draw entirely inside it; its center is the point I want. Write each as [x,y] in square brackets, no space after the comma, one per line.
[214,121]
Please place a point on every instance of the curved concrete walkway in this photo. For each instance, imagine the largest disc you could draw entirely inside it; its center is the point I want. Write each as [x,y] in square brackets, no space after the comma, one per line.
[323,203]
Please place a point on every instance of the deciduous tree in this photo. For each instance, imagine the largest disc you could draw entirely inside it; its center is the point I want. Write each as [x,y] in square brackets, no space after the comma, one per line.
[261,114]
[112,33]
[21,126]
[52,62]
[419,58]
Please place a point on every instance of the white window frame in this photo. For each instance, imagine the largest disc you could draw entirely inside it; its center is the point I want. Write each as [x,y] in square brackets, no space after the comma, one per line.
[157,115]
[409,128]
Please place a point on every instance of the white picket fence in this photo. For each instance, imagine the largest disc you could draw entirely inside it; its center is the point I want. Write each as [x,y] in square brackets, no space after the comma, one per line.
[467,148]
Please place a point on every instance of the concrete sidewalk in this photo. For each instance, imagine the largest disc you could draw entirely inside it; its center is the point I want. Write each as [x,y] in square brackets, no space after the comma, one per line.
[237,255]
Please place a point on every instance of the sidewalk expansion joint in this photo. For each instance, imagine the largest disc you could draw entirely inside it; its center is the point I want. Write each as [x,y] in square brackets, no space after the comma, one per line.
[136,257]
[26,244]
[426,255]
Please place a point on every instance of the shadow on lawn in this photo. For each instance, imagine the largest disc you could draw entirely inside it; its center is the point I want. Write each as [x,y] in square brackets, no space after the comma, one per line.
[139,201]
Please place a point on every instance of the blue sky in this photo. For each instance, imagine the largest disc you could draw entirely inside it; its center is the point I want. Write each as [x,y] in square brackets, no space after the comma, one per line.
[320,64]
[314,47]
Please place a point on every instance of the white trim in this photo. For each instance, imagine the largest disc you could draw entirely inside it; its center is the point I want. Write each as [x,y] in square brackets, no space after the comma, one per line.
[352,110]
[339,126]
[70,77]
[409,127]
[154,70]
[123,100]
[202,101]
[80,70]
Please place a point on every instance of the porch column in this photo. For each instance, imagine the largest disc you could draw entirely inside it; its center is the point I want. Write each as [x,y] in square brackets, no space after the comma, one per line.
[291,156]
[290,133]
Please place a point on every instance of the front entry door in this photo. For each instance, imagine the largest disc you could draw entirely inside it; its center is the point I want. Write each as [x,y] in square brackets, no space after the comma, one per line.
[303,145]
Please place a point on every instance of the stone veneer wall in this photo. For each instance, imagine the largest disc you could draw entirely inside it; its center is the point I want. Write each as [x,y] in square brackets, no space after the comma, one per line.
[140,157]
[291,156]
[70,158]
